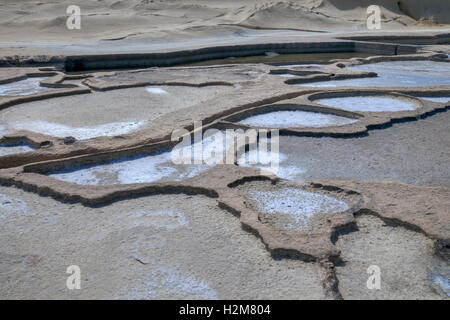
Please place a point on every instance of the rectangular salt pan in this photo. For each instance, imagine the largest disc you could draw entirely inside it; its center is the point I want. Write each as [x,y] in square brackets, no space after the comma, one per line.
[300,205]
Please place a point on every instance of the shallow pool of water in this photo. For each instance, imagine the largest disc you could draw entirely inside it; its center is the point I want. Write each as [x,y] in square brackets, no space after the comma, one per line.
[292,119]
[22,87]
[396,74]
[368,104]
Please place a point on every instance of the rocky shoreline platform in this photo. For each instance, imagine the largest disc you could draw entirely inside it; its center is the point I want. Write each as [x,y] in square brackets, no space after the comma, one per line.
[362,177]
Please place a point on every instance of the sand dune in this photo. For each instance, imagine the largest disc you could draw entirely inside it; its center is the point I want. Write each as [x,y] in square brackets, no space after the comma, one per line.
[45,21]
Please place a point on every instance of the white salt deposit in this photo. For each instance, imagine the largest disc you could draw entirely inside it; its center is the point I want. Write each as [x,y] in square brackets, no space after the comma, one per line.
[12,207]
[436,99]
[269,161]
[299,65]
[287,75]
[271,54]
[150,168]
[22,87]
[298,204]
[4,130]
[7,150]
[292,119]
[80,133]
[156,90]
[368,104]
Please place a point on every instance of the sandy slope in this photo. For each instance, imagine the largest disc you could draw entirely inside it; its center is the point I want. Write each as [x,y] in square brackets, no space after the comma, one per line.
[45,21]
